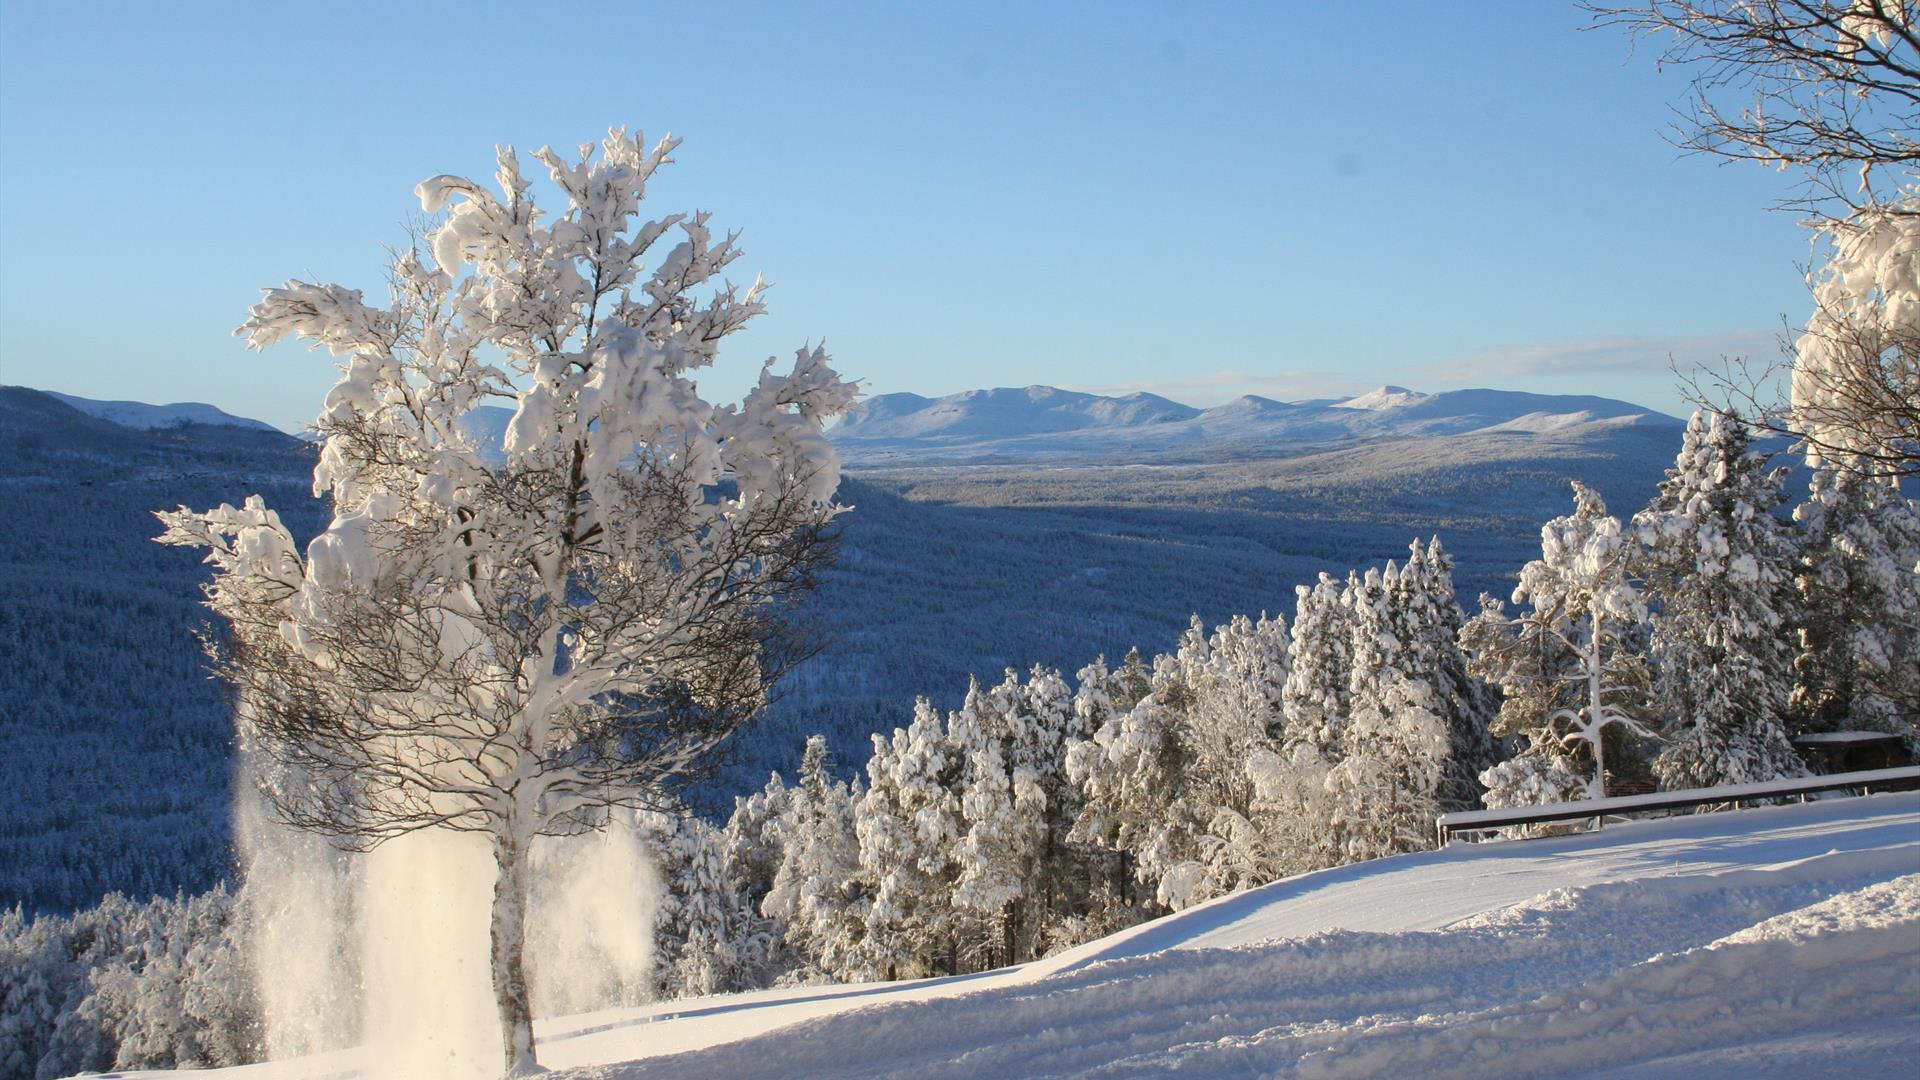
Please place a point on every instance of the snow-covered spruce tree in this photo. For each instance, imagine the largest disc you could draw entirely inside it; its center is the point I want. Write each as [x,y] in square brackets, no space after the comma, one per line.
[1384,793]
[513,649]
[909,826]
[1130,776]
[1431,609]
[1166,783]
[1290,793]
[1572,666]
[1857,664]
[753,839]
[819,896]
[1320,665]
[1012,740]
[1384,788]
[1237,712]
[1100,698]
[1719,562]
[708,938]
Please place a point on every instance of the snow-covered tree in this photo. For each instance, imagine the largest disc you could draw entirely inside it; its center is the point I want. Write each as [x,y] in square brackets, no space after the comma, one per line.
[1384,793]
[1130,775]
[708,938]
[1720,562]
[1572,666]
[1856,372]
[1237,710]
[909,829]
[1320,668]
[1858,659]
[819,896]
[1012,739]
[1384,783]
[1432,613]
[512,649]
[1166,783]
[753,839]
[1829,89]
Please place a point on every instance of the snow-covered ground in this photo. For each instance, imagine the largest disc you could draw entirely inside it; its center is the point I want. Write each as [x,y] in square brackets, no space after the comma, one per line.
[1782,941]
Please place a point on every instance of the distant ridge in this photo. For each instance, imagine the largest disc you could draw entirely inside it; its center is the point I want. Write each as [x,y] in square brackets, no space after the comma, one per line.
[144,417]
[1043,422]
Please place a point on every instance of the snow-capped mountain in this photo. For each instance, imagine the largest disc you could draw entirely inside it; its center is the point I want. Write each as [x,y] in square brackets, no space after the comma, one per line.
[144,417]
[1043,422]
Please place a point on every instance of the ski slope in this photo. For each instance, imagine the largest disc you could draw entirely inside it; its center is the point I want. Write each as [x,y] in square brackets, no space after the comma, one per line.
[1779,940]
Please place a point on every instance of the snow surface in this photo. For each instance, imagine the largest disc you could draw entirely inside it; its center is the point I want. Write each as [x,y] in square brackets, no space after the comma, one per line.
[144,417]
[1779,941]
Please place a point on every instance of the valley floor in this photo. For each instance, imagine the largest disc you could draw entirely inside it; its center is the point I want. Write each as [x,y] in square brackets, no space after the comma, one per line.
[1782,941]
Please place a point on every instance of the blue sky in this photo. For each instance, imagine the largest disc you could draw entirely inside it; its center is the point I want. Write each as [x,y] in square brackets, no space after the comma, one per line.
[1197,199]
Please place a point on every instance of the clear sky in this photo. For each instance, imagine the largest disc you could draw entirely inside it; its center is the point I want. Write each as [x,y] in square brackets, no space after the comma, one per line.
[1201,199]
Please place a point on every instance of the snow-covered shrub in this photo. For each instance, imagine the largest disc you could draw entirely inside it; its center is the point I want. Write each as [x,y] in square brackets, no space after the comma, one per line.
[122,985]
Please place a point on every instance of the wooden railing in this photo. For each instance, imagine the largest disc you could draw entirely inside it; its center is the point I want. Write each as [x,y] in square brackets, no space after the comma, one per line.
[1480,821]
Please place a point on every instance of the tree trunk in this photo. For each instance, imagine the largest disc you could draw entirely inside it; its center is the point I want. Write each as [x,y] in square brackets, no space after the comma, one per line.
[509,956]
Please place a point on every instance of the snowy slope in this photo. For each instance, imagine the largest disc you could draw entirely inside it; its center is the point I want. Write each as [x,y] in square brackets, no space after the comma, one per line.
[144,417]
[1692,946]
[1044,423]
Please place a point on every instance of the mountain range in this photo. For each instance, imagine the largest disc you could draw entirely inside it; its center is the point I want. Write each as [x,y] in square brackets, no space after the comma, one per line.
[144,417]
[1048,423]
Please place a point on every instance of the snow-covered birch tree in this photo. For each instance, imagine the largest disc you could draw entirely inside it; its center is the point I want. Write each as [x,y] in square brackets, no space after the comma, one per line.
[1828,90]
[513,649]
[1572,665]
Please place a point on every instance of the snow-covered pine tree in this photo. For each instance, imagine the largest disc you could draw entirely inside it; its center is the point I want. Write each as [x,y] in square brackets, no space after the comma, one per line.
[1858,659]
[1013,740]
[708,938]
[1129,772]
[1720,562]
[909,828]
[819,894]
[1434,657]
[1237,711]
[1320,666]
[1571,666]
[754,840]
[1383,788]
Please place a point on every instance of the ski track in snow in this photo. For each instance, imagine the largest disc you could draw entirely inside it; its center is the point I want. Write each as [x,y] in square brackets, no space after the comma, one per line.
[1772,941]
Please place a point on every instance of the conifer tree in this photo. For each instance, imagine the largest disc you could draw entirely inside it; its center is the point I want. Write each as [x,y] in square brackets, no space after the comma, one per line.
[1720,562]
[1238,710]
[1463,701]
[709,940]
[909,827]
[1857,665]
[819,896]
[1384,785]
[1320,666]
[1130,775]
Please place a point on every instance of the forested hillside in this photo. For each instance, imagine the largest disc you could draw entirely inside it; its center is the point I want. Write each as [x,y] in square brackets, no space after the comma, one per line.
[116,769]
[119,746]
